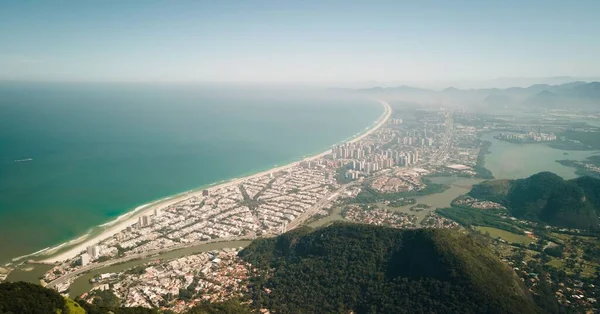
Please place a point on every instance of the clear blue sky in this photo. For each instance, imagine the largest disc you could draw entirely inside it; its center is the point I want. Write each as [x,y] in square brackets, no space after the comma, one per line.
[320,41]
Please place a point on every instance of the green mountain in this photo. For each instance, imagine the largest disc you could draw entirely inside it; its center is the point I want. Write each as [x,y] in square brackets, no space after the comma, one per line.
[548,198]
[348,268]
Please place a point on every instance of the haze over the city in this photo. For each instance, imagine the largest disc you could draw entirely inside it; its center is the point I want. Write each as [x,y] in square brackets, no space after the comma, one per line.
[262,156]
[352,43]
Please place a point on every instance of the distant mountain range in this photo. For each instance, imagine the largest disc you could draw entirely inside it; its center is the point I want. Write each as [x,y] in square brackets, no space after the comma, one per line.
[567,95]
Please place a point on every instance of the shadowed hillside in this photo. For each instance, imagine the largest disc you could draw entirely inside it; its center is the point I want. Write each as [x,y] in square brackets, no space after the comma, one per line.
[369,269]
[548,198]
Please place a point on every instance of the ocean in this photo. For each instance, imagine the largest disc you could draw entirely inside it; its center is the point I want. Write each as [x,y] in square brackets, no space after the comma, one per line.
[74,156]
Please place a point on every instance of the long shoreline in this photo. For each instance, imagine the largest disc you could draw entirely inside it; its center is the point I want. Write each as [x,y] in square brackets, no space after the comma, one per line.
[129,218]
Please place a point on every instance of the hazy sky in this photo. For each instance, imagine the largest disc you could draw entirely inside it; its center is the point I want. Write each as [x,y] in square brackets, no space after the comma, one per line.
[308,41]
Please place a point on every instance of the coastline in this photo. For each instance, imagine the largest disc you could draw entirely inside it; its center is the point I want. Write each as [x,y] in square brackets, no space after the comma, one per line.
[113,227]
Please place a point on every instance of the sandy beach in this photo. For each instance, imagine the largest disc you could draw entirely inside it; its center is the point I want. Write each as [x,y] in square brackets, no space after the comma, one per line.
[132,217]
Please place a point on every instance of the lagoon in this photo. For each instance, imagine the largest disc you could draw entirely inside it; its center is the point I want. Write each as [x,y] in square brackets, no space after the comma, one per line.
[515,161]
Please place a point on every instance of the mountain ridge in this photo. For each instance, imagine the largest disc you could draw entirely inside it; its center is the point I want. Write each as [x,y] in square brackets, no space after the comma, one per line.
[548,198]
[572,94]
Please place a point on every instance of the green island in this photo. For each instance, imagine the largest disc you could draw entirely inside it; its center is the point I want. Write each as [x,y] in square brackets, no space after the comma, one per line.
[577,140]
[420,207]
[589,140]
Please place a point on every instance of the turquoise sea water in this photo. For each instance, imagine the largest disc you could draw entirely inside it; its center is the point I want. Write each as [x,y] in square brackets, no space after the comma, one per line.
[98,151]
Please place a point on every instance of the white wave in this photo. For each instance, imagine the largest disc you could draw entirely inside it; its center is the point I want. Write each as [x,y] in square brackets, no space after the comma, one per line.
[129,213]
[49,251]
[32,254]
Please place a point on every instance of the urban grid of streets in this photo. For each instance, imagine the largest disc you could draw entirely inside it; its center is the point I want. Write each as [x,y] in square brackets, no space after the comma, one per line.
[268,205]
[261,206]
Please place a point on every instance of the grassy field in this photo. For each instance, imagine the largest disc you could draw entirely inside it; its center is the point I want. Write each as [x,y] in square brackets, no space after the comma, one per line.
[588,270]
[505,235]
[73,307]
[557,263]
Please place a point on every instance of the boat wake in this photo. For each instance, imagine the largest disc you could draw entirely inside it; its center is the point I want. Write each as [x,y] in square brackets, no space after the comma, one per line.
[23,160]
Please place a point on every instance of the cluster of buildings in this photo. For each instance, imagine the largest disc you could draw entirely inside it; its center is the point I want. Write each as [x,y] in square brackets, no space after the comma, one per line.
[569,291]
[179,284]
[416,141]
[463,151]
[258,206]
[527,137]
[364,160]
[389,184]
[380,217]
[394,219]
[468,201]
[433,220]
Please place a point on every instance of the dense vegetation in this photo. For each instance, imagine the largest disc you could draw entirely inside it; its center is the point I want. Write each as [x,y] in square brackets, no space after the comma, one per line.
[582,170]
[227,307]
[480,169]
[340,174]
[369,269]
[476,217]
[23,298]
[370,195]
[547,197]
[590,139]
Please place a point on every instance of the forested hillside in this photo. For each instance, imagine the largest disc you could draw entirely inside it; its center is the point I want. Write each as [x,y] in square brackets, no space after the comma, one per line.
[369,269]
[548,198]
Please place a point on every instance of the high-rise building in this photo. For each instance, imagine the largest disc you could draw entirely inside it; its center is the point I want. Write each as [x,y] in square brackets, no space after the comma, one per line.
[93,251]
[410,158]
[84,259]
[403,160]
[144,221]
